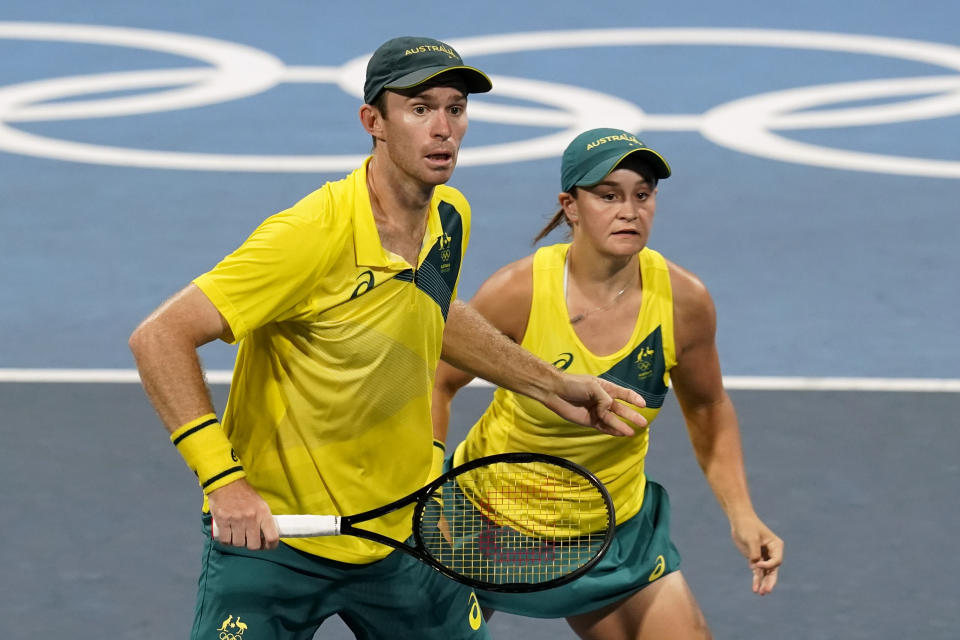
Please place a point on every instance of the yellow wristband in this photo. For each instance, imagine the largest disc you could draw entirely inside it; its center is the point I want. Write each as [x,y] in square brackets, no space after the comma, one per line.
[208,451]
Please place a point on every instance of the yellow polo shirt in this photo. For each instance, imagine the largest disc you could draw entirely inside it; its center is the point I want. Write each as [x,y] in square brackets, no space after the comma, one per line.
[339,339]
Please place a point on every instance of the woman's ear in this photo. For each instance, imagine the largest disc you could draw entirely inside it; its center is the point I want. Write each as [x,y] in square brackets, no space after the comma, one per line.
[569,205]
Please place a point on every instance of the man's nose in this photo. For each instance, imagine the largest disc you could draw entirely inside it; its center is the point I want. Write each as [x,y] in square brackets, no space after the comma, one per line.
[441,125]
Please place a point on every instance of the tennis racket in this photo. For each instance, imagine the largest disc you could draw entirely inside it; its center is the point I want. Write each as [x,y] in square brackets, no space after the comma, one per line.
[511,522]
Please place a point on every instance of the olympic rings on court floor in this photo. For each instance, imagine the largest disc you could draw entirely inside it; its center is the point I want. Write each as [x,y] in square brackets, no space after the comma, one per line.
[749,125]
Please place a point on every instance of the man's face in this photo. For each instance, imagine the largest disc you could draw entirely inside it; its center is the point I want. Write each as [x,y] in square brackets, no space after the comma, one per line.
[421,133]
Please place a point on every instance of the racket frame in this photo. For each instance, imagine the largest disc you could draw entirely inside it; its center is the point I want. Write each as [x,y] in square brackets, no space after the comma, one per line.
[423,496]
[300,526]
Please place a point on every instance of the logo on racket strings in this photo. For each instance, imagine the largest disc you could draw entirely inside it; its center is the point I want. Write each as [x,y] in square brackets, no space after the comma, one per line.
[503,546]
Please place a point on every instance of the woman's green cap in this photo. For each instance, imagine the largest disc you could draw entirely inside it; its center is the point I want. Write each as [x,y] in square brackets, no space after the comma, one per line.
[595,153]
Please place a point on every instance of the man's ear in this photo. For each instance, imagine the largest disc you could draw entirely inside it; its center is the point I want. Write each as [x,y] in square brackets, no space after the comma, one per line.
[372,121]
[569,205]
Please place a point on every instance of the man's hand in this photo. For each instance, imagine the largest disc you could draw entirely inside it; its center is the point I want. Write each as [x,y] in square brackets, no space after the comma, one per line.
[762,548]
[243,517]
[592,402]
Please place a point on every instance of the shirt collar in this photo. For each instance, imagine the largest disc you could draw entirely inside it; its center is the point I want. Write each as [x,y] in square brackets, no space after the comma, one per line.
[369,251]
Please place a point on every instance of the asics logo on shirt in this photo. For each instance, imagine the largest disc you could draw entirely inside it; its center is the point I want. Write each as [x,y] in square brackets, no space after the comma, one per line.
[366,283]
[564,361]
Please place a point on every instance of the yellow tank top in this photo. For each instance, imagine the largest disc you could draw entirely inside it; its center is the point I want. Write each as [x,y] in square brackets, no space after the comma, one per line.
[514,422]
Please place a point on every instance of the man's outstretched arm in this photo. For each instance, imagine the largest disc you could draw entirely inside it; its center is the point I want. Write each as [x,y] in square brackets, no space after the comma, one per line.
[475,346]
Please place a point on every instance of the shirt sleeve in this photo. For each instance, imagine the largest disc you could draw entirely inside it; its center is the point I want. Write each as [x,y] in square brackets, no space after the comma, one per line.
[272,272]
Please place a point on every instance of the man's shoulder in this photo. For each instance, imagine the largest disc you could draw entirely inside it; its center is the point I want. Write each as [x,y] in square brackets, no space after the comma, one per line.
[331,204]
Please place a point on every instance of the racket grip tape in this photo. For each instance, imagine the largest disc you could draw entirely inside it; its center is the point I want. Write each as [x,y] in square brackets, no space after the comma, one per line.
[301,526]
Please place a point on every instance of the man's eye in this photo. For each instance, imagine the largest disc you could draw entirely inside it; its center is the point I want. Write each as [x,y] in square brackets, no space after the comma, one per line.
[456,110]
[420,110]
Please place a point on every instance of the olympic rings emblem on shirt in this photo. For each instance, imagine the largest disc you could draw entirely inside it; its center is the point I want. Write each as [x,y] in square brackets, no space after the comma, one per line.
[749,125]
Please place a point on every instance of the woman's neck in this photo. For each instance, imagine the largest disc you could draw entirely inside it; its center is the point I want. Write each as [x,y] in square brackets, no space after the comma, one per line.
[599,275]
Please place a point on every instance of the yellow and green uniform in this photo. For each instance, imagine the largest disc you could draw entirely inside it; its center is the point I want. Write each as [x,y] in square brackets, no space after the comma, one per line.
[284,594]
[339,339]
[641,551]
[514,422]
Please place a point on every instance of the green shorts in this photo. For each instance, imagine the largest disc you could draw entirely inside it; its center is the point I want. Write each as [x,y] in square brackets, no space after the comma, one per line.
[286,594]
[641,552]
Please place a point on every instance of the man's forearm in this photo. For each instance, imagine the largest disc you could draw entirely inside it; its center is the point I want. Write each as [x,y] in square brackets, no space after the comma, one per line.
[472,344]
[165,348]
[172,376]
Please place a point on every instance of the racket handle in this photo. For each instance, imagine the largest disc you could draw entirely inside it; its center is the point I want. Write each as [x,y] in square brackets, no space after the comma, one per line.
[307,526]
[301,526]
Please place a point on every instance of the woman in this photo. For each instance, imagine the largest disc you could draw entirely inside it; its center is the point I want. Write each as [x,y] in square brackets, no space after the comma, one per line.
[607,305]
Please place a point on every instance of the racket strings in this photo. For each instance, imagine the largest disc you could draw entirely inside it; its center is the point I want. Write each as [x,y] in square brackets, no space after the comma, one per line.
[516,523]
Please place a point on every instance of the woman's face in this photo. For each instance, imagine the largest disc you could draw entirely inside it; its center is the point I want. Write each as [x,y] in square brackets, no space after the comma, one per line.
[616,215]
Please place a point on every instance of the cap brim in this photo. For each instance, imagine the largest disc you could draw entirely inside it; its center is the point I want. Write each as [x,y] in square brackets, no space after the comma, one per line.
[476,80]
[600,171]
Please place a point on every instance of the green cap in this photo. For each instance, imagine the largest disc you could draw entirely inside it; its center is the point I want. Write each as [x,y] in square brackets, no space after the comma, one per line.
[402,63]
[595,153]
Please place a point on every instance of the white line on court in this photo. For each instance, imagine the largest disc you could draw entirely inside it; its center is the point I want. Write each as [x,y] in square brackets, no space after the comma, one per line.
[761,383]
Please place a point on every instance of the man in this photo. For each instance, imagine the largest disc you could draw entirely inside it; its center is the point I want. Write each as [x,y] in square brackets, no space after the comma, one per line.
[342,306]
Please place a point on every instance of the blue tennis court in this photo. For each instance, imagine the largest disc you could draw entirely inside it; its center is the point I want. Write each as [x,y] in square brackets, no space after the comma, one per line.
[815,189]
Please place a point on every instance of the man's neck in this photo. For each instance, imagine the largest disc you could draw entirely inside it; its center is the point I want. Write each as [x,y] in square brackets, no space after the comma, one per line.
[400,208]
[396,198]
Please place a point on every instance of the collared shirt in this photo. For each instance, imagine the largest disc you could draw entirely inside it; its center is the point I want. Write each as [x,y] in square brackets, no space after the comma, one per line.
[339,339]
